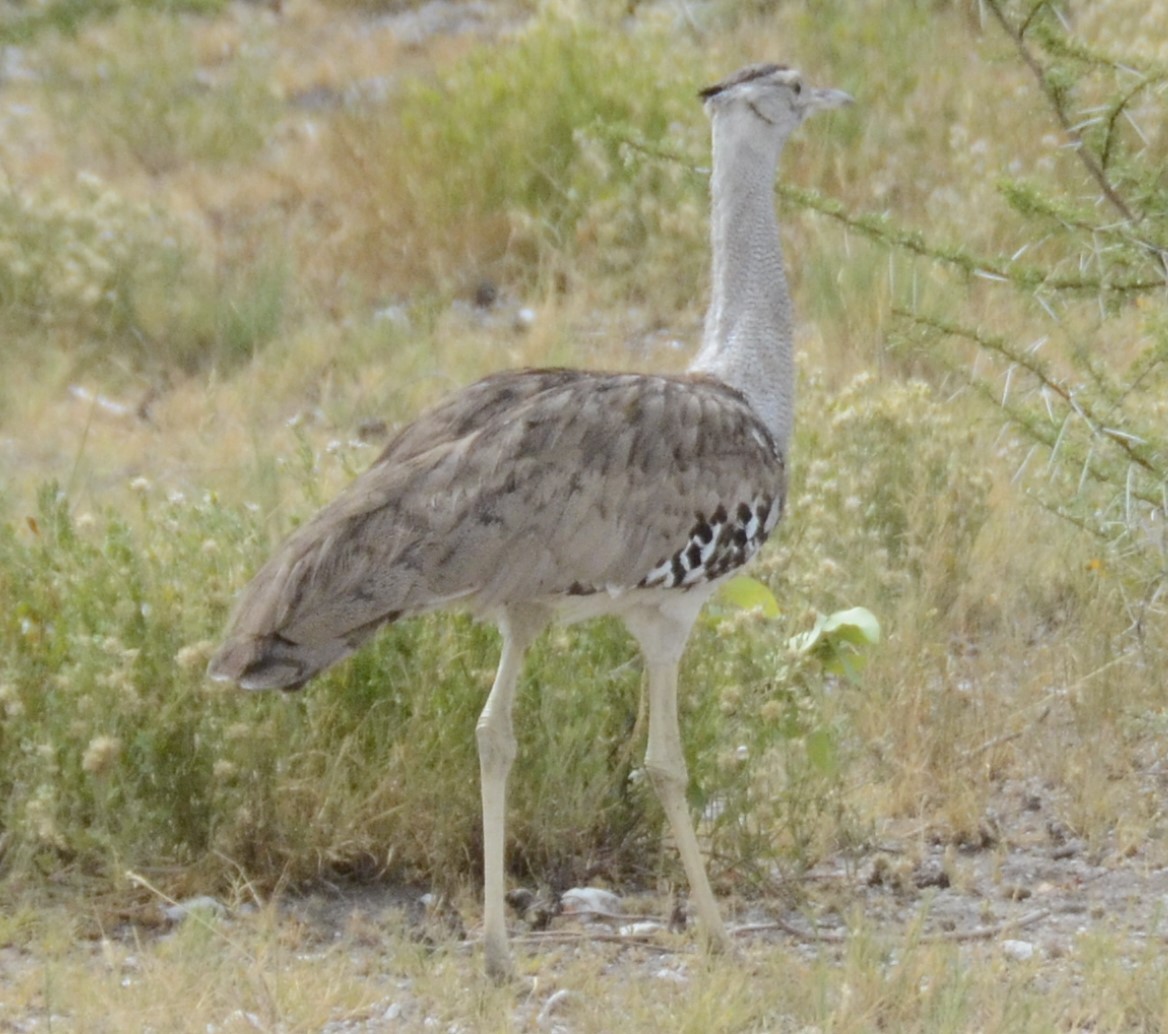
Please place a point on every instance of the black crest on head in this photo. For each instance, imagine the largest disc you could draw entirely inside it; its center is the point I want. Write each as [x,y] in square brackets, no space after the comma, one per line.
[743,75]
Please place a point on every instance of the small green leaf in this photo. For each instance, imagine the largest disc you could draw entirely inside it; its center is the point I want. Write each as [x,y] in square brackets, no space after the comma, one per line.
[805,642]
[836,640]
[750,594]
[857,625]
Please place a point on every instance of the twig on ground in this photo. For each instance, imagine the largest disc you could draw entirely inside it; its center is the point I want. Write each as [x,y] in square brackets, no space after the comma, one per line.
[978,933]
[580,936]
[986,933]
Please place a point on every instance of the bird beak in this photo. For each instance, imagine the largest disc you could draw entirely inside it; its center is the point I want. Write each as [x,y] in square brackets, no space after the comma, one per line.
[823,100]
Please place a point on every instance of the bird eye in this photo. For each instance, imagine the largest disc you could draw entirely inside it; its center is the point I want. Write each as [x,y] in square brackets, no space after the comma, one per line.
[798,88]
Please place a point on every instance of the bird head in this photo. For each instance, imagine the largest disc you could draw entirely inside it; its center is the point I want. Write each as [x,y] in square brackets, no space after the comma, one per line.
[773,93]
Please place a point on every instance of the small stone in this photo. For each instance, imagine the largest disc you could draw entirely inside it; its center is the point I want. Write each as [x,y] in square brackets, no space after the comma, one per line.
[1019,951]
[641,929]
[670,976]
[1016,892]
[536,909]
[1067,849]
[486,294]
[395,315]
[930,872]
[180,910]
[520,899]
[590,901]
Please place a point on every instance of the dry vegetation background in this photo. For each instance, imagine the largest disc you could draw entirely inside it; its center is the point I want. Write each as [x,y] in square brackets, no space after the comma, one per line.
[240,242]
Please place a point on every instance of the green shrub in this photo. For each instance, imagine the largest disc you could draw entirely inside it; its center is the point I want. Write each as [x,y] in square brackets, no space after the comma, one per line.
[70,16]
[107,275]
[108,741]
[115,752]
[535,158]
[73,259]
[136,89]
[767,744]
[884,503]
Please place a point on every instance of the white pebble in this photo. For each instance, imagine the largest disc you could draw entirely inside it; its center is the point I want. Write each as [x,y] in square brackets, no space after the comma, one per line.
[397,315]
[1019,951]
[670,975]
[590,900]
[181,909]
[641,929]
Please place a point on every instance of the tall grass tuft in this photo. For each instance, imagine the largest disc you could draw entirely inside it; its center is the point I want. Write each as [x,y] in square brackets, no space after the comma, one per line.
[520,162]
[134,89]
[73,258]
[108,741]
[68,17]
[118,278]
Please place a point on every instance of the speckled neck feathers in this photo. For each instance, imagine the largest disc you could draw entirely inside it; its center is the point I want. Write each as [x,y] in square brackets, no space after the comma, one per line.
[748,334]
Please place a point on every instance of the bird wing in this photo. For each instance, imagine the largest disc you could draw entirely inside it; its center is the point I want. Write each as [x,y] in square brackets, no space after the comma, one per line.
[526,486]
[600,481]
[465,411]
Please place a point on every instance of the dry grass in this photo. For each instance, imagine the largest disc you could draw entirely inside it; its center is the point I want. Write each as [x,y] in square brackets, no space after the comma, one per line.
[267,971]
[288,264]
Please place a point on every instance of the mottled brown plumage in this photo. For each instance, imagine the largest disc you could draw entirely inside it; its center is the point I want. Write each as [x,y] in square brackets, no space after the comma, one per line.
[540,494]
[530,486]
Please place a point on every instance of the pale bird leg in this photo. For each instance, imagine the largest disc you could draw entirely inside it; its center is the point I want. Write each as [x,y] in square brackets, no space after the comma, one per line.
[520,626]
[662,641]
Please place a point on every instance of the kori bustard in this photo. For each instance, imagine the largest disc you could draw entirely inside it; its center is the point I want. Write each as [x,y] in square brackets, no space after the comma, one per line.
[542,494]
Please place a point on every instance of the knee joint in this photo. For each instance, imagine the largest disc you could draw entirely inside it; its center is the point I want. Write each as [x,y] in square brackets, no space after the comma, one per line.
[497,747]
[664,777]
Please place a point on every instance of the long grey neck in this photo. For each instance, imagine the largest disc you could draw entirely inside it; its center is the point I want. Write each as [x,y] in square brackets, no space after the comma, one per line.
[747,341]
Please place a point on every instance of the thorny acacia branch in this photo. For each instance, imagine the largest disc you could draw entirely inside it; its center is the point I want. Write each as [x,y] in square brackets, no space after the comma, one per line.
[1056,98]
